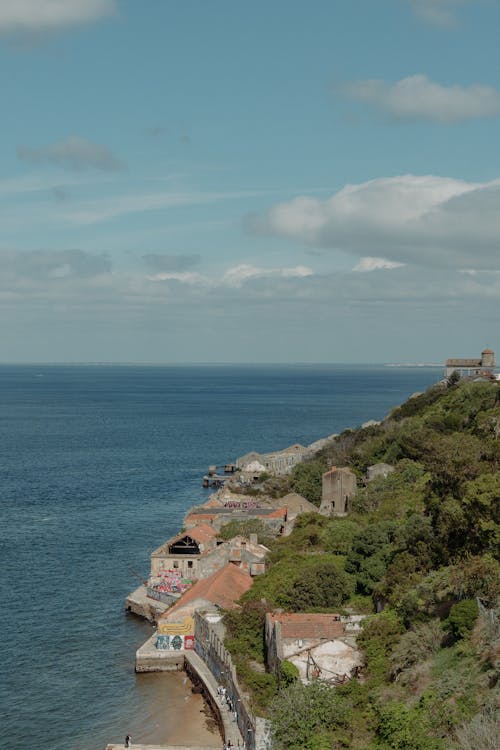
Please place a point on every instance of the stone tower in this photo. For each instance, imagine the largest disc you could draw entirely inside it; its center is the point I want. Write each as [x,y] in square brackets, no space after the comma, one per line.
[338,487]
[488,358]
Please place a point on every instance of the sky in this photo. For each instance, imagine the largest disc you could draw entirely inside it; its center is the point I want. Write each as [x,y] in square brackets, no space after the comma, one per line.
[274,181]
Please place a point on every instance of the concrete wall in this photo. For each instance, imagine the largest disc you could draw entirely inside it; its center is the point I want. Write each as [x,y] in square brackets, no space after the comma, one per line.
[209,646]
[338,487]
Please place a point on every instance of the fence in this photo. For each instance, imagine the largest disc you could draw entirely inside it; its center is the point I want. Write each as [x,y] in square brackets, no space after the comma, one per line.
[208,645]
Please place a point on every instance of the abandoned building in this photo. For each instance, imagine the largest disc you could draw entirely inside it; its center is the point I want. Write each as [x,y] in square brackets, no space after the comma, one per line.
[338,487]
[469,367]
[320,645]
[218,516]
[191,559]
[222,590]
[276,463]
[183,551]
[378,470]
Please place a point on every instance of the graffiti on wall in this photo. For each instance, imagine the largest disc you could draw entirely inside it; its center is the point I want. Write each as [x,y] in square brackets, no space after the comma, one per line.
[175,642]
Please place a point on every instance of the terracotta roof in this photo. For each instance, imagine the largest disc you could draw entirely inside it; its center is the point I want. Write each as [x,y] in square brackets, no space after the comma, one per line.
[201,533]
[223,588]
[463,363]
[309,626]
[278,513]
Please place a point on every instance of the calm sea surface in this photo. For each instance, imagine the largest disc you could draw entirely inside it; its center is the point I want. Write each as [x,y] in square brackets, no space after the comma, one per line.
[97,467]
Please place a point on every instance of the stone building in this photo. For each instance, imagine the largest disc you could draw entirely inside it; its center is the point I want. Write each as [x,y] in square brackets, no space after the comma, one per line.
[273,518]
[470,367]
[338,487]
[183,551]
[276,463]
[247,554]
[318,644]
[222,590]
[378,470]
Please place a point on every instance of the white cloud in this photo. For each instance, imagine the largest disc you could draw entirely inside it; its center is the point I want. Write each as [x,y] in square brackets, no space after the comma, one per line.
[427,220]
[234,277]
[417,97]
[239,275]
[28,16]
[437,12]
[73,153]
[375,264]
[185,277]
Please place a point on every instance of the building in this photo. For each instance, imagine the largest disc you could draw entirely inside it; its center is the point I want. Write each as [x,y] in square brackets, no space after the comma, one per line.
[221,590]
[378,470]
[470,367]
[338,487]
[319,645]
[276,463]
[245,553]
[236,510]
[182,553]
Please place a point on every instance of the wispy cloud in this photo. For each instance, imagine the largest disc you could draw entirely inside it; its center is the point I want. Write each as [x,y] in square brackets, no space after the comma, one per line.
[34,16]
[73,153]
[236,276]
[419,98]
[375,264]
[437,12]
[430,221]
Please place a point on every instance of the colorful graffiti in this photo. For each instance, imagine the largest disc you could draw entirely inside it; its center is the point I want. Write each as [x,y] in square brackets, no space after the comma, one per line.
[175,636]
[175,643]
[170,582]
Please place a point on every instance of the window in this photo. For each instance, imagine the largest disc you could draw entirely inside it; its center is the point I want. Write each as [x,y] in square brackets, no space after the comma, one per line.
[176,563]
[190,563]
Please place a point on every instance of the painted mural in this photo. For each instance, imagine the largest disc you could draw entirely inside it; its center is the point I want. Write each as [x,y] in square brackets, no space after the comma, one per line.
[175,642]
[170,581]
[176,636]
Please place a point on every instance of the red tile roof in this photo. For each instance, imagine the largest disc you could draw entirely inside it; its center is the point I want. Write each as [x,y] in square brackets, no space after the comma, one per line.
[309,626]
[223,588]
[201,533]
[278,513]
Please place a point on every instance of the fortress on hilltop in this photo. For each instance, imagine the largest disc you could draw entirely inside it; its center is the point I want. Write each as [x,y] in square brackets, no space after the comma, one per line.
[469,367]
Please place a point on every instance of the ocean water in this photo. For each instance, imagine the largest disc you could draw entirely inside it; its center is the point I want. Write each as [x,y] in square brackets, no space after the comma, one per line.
[98,465]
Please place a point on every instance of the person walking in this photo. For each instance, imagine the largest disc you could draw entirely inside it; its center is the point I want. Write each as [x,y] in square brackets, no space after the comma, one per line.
[128,741]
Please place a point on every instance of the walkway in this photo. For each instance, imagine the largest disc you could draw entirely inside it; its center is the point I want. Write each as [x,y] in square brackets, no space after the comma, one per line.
[231,730]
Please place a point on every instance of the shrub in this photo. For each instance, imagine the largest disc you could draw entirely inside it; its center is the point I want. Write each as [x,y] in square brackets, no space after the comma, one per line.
[307,478]
[462,618]
[288,673]
[303,716]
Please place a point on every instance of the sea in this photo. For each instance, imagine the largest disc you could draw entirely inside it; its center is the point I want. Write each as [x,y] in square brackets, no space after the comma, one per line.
[98,465]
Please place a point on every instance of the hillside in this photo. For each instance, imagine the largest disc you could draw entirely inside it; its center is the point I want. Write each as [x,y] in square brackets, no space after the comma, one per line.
[419,553]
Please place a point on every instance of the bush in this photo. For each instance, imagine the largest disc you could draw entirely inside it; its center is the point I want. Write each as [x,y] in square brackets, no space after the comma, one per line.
[288,673]
[303,716]
[306,479]
[416,646]
[462,618]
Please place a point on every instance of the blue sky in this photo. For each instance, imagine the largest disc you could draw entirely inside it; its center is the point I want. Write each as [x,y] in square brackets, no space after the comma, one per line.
[268,181]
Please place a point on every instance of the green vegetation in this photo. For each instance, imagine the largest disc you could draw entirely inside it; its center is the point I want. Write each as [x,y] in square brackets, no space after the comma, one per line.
[417,549]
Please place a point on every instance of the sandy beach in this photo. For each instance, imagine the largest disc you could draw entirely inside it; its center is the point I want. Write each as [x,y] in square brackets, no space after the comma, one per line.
[172,714]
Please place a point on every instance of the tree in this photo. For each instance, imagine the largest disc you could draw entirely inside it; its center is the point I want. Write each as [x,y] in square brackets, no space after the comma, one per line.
[306,480]
[462,618]
[320,587]
[303,716]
